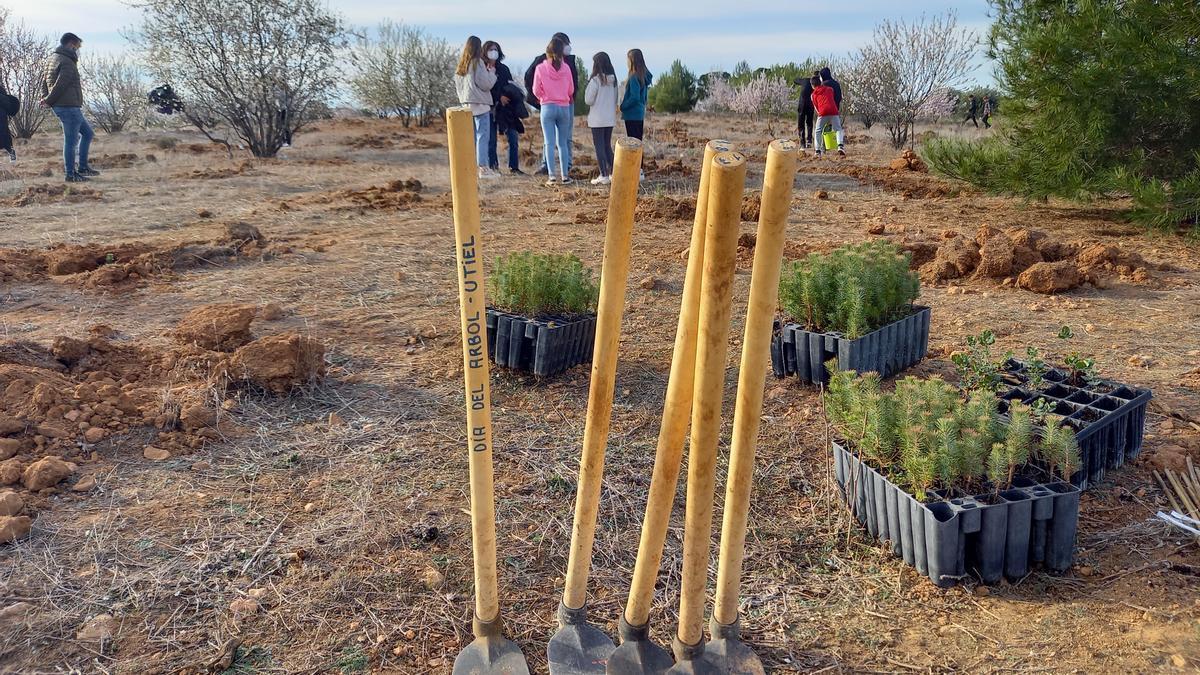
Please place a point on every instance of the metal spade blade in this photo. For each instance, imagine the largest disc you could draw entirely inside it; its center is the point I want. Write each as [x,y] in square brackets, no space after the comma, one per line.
[490,653]
[637,655]
[731,654]
[577,647]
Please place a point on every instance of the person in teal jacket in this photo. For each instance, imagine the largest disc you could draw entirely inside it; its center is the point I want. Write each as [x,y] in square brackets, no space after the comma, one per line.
[633,103]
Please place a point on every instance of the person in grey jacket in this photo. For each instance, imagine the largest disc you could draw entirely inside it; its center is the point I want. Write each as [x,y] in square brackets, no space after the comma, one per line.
[63,93]
[474,79]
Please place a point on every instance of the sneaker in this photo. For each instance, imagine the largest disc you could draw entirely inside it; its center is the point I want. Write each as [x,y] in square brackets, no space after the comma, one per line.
[12,156]
[485,172]
[820,153]
[551,181]
[566,180]
[88,171]
[841,151]
[641,176]
[285,145]
[518,172]
[76,178]
[541,171]
[606,180]
[597,180]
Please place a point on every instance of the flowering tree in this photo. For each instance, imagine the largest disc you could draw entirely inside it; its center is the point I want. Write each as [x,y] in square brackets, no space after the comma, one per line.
[22,66]
[761,95]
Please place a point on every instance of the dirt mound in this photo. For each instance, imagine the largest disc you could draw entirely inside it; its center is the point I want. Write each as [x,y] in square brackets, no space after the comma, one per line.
[751,207]
[221,327]
[1038,262]
[674,168]
[410,142]
[121,160]
[908,161]
[910,184]
[278,363]
[370,141]
[395,195]
[242,168]
[662,208]
[57,192]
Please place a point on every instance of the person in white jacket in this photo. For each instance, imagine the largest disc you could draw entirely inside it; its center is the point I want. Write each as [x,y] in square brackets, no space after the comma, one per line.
[601,97]
[474,79]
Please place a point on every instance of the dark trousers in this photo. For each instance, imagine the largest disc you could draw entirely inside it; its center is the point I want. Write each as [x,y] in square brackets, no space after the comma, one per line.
[636,129]
[6,140]
[987,120]
[602,139]
[807,118]
[971,118]
[510,135]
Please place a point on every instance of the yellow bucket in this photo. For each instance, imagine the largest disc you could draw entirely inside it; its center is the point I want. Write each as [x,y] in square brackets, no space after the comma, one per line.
[830,138]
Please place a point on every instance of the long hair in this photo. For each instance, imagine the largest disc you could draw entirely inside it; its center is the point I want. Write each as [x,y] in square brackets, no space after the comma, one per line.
[487,47]
[637,66]
[470,54]
[602,67]
[554,52]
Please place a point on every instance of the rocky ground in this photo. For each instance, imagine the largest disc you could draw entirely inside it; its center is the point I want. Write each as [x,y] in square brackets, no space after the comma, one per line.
[231,411]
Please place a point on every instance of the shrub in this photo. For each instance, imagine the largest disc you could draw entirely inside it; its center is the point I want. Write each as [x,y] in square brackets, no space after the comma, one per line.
[927,435]
[533,284]
[853,290]
[403,71]
[675,91]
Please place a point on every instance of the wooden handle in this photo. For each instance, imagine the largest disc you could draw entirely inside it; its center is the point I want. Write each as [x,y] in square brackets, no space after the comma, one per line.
[621,203]
[676,411]
[464,187]
[756,345]
[727,183]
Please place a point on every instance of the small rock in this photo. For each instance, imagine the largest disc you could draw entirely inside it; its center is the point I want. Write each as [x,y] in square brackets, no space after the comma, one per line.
[9,447]
[336,421]
[155,454]
[270,312]
[876,228]
[1141,361]
[982,591]
[257,593]
[244,606]
[310,507]
[201,466]
[822,194]
[84,484]
[52,431]
[400,275]
[94,435]
[46,472]
[1178,661]
[13,528]
[1086,571]
[15,614]
[432,579]
[648,283]
[101,628]
[10,471]
[10,503]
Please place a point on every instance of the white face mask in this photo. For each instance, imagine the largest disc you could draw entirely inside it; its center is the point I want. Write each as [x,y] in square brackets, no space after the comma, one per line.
[567,49]
[493,54]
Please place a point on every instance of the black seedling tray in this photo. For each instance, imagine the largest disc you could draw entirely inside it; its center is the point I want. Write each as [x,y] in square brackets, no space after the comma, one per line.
[543,346]
[1109,418]
[887,351]
[948,536]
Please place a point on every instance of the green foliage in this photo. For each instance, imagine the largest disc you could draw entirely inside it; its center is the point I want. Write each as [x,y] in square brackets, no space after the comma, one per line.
[1102,102]
[533,284]
[927,435]
[852,290]
[675,91]
[977,368]
[1080,369]
[581,80]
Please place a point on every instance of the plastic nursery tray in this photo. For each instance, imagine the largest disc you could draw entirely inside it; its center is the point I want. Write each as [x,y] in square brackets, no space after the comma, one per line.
[543,346]
[887,351]
[947,537]
[1109,418]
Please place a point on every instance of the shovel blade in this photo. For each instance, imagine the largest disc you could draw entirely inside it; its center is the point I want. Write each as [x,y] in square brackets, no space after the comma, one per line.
[490,653]
[637,655]
[578,648]
[701,664]
[734,657]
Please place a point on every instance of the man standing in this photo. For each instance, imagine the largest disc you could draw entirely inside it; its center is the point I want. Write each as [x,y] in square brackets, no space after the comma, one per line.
[537,105]
[972,111]
[64,95]
[805,112]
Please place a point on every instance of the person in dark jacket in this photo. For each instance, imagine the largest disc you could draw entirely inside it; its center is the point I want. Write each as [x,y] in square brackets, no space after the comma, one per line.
[972,111]
[6,139]
[507,104]
[806,114]
[63,94]
[828,81]
[533,101]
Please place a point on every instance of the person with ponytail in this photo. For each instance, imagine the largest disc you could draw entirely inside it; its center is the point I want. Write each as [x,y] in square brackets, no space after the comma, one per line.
[554,87]
[473,79]
[601,96]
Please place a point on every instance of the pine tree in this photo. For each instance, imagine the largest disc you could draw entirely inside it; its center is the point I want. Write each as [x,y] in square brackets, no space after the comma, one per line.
[675,91]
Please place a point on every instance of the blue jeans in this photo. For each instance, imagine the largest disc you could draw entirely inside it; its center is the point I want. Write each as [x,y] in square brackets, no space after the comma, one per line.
[514,160]
[556,131]
[483,133]
[77,134]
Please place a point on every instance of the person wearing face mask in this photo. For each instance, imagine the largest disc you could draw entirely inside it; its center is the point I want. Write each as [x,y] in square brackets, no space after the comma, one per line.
[533,100]
[508,107]
[473,79]
[63,93]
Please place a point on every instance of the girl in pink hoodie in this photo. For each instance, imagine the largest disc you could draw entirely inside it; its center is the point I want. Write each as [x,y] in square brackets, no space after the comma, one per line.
[554,86]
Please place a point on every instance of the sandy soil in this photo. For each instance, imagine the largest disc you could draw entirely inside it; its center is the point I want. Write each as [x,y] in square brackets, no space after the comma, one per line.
[325,530]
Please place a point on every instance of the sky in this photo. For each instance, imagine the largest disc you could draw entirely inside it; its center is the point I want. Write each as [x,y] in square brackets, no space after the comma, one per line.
[704,34]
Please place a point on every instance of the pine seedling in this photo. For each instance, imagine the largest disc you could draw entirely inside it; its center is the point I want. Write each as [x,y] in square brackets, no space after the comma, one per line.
[945,452]
[1059,449]
[999,468]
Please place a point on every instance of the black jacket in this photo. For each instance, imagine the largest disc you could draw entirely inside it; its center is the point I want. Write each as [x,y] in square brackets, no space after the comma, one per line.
[805,94]
[827,77]
[510,116]
[530,98]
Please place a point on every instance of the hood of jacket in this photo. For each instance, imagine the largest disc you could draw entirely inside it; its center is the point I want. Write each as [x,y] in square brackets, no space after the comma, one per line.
[67,52]
[826,74]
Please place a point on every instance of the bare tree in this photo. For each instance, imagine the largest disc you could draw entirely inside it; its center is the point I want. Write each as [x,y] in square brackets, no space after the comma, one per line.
[113,92]
[403,71]
[23,57]
[905,64]
[256,68]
